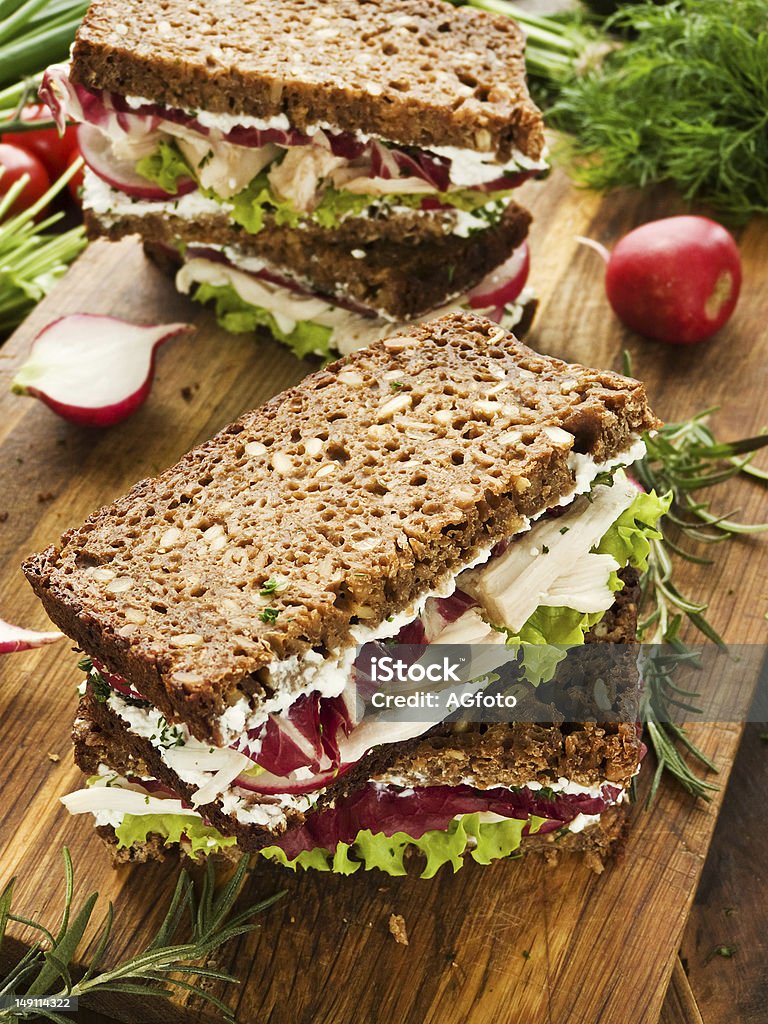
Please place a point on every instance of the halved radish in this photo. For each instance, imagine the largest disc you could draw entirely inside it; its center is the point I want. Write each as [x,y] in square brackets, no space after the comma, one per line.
[96,149]
[93,370]
[503,285]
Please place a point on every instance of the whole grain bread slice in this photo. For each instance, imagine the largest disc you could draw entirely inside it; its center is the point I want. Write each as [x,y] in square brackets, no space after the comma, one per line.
[400,278]
[416,72]
[372,482]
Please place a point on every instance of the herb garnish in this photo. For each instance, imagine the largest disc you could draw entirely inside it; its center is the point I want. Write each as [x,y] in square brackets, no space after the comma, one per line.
[683,458]
[682,100]
[32,260]
[167,735]
[269,615]
[166,964]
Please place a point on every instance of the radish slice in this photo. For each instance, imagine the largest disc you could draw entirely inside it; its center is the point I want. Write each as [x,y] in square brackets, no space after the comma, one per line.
[503,285]
[96,149]
[15,638]
[93,370]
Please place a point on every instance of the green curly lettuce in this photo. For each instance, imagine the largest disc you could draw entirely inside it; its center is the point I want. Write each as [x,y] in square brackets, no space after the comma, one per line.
[484,841]
[256,200]
[628,539]
[165,167]
[136,828]
[238,316]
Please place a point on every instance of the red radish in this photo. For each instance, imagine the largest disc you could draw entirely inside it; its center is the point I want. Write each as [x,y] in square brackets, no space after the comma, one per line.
[96,150]
[503,285]
[93,370]
[15,638]
[675,280]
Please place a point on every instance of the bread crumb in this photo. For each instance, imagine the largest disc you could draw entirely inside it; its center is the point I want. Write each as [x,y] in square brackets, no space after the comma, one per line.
[53,757]
[397,929]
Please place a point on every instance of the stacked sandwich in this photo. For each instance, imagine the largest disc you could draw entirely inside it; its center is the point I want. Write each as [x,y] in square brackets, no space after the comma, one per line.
[444,486]
[324,169]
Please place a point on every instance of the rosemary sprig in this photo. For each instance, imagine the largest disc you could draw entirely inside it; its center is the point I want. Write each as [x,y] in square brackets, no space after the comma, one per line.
[683,458]
[686,458]
[163,966]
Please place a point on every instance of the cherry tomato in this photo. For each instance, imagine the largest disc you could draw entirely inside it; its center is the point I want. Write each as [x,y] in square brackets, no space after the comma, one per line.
[16,162]
[46,144]
[76,183]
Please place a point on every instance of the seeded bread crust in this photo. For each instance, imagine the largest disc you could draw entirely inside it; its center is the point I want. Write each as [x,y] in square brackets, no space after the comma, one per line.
[601,745]
[402,279]
[417,72]
[367,485]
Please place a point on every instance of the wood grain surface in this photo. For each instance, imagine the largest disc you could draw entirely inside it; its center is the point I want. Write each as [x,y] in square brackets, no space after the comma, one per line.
[517,941]
[724,944]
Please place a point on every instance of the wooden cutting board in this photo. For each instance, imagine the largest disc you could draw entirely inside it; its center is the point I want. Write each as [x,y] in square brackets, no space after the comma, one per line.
[517,941]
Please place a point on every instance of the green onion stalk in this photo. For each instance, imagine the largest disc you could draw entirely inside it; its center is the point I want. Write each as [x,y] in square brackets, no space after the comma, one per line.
[33,34]
[31,261]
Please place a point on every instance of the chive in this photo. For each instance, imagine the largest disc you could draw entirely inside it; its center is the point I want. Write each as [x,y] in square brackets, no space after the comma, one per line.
[29,54]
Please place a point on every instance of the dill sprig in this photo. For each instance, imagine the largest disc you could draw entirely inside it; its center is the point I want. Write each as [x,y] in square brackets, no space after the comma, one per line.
[683,100]
[164,965]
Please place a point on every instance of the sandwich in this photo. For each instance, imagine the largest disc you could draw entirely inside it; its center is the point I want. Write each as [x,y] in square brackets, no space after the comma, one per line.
[446,486]
[327,171]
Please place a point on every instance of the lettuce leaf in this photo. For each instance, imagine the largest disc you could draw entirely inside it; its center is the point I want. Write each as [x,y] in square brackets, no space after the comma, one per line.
[203,838]
[628,539]
[250,206]
[238,316]
[257,199]
[484,841]
[337,204]
[165,167]
[488,841]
